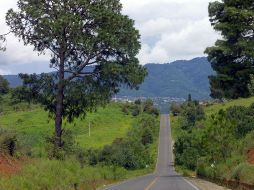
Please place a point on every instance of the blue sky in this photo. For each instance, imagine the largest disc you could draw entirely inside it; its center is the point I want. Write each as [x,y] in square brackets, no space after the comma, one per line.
[170,30]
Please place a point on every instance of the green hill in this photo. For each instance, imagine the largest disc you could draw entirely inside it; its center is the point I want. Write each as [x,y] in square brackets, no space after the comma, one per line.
[216,141]
[33,126]
[177,79]
[29,159]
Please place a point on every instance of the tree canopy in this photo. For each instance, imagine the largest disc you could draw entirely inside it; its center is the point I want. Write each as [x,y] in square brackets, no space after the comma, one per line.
[93,48]
[4,85]
[2,43]
[232,57]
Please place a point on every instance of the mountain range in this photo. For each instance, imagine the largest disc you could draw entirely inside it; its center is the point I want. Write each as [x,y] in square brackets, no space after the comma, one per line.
[176,79]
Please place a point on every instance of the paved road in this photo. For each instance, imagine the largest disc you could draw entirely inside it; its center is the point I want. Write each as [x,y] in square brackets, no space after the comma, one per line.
[164,178]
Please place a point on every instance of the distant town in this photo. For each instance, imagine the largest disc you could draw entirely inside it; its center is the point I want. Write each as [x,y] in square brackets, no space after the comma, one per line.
[163,103]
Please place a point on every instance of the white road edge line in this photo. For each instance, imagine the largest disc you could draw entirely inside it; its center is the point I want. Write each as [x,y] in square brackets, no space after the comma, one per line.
[169,123]
[195,187]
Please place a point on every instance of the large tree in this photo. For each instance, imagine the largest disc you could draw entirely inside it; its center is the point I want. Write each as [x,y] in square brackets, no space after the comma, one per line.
[93,49]
[232,57]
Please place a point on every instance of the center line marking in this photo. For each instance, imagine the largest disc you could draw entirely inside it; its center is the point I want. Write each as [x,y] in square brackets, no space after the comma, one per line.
[151,184]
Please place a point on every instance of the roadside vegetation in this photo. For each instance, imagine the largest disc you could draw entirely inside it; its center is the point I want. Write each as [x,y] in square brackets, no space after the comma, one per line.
[122,144]
[215,141]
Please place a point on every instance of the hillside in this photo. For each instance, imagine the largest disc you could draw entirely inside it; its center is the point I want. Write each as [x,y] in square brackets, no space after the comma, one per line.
[177,79]
[216,141]
[119,133]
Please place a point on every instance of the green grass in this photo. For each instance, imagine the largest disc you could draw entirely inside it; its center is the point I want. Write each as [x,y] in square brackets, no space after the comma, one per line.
[174,121]
[235,167]
[34,126]
[239,102]
[51,175]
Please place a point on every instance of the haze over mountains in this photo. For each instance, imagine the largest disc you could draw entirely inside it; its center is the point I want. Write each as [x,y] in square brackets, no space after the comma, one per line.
[177,79]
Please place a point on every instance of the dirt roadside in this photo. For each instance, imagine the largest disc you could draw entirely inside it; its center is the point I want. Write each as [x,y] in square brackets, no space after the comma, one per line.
[206,185]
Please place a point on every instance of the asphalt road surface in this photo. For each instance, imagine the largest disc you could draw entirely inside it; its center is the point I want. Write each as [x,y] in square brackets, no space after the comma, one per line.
[164,178]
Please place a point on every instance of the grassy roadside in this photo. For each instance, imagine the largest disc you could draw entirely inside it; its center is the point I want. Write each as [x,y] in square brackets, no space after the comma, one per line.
[175,124]
[239,102]
[235,166]
[36,171]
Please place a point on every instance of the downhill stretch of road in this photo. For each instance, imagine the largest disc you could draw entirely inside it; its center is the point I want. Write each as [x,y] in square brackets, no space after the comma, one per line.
[165,177]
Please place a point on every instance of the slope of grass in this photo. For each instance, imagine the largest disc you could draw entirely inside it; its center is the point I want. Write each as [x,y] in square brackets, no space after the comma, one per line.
[235,166]
[239,102]
[41,174]
[34,126]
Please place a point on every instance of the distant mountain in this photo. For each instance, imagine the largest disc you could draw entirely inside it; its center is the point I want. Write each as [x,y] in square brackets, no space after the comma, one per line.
[177,79]
[14,80]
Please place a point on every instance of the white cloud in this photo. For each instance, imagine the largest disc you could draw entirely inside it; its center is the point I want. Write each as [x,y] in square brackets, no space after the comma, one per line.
[170,30]
[4,72]
[16,52]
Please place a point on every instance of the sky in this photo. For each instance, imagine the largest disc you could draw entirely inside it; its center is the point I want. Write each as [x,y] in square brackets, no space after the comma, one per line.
[170,30]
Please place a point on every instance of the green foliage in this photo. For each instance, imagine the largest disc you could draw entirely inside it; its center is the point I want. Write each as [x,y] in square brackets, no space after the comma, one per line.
[8,142]
[216,147]
[214,108]
[175,109]
[243,118]
[132,152]
[147,137]
[220,137]
[4,86]
[33,127]
[64,175]
[191,112]
[139,107]
[70,146]
[232,56]
[96,32]
[244,172]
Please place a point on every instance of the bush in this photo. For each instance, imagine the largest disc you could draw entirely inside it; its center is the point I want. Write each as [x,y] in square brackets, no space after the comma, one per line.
[147,137]
[243,117]
[133,151]
[68,148]
[8,142]
[175,109]
[244,172]
[135,111]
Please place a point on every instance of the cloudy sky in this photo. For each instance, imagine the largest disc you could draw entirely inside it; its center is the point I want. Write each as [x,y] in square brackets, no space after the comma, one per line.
[170,30]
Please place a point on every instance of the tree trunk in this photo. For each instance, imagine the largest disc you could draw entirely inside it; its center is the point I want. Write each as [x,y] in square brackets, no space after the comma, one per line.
[59,104]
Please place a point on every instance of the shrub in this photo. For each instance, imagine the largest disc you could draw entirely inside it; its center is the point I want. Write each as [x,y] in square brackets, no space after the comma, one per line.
[8,142]
[175,109]
[147,137]
[68,147]
[244,172]
[135,111]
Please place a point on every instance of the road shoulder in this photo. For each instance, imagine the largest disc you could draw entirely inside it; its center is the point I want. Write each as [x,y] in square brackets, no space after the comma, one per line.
[205,185]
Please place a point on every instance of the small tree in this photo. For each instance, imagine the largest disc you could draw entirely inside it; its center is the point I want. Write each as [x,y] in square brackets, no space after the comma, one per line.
[4,85]
[93,49]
